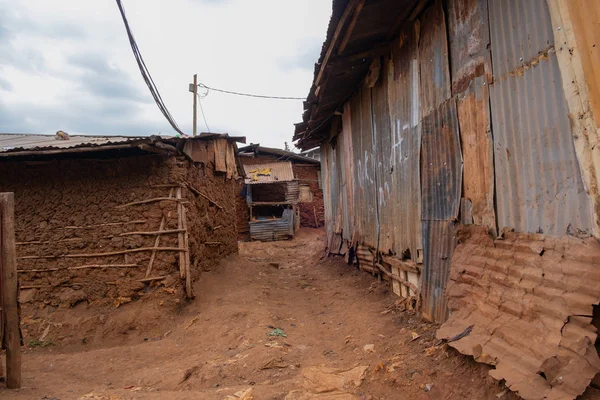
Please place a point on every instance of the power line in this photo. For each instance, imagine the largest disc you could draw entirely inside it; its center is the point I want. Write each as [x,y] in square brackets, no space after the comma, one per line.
[208,88]
[202,111]
[146,74]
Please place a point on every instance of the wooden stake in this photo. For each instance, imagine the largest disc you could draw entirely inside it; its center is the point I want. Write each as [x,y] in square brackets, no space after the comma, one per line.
[154,278]
[24,271]
[154,200]
[163,221]
[107,224]
[111,253]
[159,232]
[189,292]
[180,236]
[9,281]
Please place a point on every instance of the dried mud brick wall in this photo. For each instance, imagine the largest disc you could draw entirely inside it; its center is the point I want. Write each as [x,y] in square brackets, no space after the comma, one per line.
[242,210]
[529,300]
[67,207]
[310,176]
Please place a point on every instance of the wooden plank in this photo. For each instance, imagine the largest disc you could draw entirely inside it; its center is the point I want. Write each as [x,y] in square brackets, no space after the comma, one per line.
[220,155]
[10,306]
[351,27]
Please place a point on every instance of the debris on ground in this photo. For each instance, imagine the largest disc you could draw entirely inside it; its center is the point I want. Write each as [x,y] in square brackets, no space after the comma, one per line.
[277,332]
[241,395]
[369,348]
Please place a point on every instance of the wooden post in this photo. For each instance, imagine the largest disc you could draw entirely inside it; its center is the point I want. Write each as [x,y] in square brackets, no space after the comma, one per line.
[10,310]
[195,104]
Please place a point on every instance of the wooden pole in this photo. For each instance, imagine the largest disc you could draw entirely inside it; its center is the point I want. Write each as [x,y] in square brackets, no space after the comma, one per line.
[195,104]
[10,304]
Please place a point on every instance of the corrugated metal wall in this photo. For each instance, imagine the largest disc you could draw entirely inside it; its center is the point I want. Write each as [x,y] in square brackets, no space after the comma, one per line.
[539,185]
[393,177]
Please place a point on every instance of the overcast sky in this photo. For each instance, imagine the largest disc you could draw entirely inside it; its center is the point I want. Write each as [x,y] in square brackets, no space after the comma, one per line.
[67,65]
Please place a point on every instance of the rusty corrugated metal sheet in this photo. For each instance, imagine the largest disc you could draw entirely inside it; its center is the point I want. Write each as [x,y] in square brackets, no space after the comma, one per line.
[433,60]
[439,241]
[469,38]
[278,172]
[278,229]
[345,143]
[14,142]
[539,186]
[441,164]
[529,299]
[473,108]
[405,144]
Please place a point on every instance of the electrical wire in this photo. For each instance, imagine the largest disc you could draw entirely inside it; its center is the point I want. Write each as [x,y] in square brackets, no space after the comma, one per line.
[202,111]
[146,74]
[208,89]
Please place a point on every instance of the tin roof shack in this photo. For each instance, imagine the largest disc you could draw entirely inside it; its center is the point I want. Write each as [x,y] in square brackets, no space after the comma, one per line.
[303,173]
[105,219]
[471,123]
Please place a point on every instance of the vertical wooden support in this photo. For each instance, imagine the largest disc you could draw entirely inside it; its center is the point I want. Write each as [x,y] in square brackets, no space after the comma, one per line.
[189,292]
[163,221]
[180,235]
[10,310]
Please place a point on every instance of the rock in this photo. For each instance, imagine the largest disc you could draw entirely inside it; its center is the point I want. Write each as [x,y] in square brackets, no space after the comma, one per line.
[71,297]
[369,348]
[27,295]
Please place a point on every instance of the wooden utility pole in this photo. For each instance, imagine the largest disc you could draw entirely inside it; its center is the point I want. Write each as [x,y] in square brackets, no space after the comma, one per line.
[10,306]
[195,104]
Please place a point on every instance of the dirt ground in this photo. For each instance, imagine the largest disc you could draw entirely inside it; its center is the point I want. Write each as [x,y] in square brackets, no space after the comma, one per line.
[277,319]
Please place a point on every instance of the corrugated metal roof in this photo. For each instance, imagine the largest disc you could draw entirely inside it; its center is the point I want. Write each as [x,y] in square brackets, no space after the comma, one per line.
[269,173]
[283,154]
[15,142]
[538,179]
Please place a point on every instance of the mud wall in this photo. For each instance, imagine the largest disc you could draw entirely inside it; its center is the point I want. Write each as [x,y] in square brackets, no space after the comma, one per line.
[312,214]
[75,229]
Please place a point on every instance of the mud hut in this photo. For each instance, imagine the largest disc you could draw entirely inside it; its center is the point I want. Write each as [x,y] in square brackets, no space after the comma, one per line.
[460,162]
[278,180]
[105,219]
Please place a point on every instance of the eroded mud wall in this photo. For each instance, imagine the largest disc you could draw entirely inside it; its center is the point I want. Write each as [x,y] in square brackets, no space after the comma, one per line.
[311,213]
[75,231]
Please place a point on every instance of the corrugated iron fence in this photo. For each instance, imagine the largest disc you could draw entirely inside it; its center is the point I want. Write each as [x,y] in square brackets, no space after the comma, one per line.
[393,177]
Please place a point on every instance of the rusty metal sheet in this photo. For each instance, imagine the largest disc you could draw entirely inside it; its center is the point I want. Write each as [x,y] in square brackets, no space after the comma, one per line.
[439,241]
[441,164]
[538,180]
[382,142]
[345,143]
[405,144]
[433,59]
[477,149]
[529,299]
[469,39]
[277,172]
[278,229]
[326,178]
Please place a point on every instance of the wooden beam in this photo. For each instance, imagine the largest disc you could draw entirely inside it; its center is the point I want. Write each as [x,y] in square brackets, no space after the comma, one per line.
[338,30]
[351,26]
[9,281]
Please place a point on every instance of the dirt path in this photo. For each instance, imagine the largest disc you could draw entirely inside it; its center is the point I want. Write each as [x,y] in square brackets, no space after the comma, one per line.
[332,315]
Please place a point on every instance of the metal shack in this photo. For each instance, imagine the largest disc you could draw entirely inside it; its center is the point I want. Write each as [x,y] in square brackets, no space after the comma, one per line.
[281,193]
[460,160]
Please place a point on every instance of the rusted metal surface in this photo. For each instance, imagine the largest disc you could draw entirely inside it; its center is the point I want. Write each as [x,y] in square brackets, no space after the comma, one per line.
[469,39]
[433,60]
[529,299]
[268,173]
[347,170]
[477,149]
[538,180]
[277,229]
[441,164]
[405,144]
[439,241]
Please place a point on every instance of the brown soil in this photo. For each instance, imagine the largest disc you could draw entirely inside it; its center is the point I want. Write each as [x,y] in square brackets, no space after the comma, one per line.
[333,316]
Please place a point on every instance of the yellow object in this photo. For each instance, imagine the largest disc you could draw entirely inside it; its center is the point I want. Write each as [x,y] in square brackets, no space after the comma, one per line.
[260,172]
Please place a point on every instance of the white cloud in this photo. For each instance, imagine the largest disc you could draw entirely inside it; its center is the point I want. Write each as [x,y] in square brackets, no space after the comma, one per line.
[67,64]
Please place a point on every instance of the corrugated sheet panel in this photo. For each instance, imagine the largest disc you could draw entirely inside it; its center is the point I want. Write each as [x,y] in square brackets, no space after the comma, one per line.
[269,173]
[529,300]
[278,229]
[473,107]
[433,59]
[405,144]
[539,186]
[347,185]
[441,164]
[439,241]
[12,142]
[469,38]
[382,141]
[292,192]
